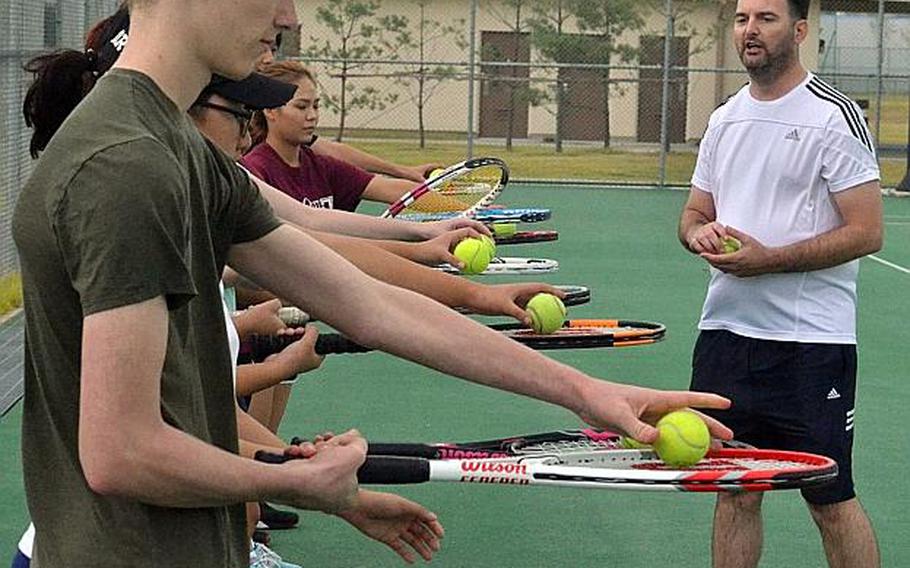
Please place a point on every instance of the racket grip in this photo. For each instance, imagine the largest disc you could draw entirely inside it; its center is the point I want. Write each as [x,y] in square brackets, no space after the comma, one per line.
[376,470]
[262,346]
[393,470]
[331,343]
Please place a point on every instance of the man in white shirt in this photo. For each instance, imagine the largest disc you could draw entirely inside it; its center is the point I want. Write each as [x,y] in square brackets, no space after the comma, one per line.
[787,167]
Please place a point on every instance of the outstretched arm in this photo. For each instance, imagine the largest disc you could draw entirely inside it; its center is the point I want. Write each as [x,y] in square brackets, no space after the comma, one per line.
[390,318]
[370,162]
[355,224]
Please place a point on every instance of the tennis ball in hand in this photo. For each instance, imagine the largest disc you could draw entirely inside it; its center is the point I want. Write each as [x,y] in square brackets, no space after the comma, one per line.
[435,173]
[490,244]
[547,313]
[475,254]
[730,244]
[505,229]
[683,440]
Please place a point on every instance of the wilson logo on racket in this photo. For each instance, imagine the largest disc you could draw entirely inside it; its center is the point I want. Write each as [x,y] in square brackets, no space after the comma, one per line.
[506,468]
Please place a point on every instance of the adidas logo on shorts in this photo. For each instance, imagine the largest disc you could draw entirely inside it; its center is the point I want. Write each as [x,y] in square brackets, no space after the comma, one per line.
[833,394]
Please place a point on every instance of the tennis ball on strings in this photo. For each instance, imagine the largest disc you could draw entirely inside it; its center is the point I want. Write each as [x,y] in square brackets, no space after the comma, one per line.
[475,254]
[633,444]
[435,173]
[730,244]
[684,439]
[547,313]
[505,229]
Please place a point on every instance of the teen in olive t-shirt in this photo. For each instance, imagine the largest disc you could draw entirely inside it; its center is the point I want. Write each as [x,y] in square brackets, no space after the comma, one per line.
[129,203]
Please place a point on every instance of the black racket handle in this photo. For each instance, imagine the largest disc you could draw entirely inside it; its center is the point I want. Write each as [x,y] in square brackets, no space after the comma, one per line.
[326,344]
[376,470]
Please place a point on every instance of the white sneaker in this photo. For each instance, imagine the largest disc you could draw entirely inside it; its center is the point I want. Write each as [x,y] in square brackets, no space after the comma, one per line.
[261,556]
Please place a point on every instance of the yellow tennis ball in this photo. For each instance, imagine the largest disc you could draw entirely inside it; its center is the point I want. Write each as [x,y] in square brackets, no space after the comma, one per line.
[435,173]
[490,244]
[730,244]
[547,313]
[684,439]
[505,229]
[475,254]
[633,444]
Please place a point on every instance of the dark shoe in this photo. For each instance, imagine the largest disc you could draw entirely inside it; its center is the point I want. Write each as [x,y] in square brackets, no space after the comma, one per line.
[276,519]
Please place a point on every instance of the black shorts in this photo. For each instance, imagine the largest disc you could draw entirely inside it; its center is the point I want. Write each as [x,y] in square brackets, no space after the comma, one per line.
[786,396]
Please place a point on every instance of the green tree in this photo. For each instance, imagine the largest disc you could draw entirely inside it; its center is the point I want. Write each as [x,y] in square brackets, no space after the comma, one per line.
[596,28]
[423,78]
[358,34]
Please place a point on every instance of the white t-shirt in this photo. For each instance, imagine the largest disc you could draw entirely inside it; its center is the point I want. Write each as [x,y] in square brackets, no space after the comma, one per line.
[772,168]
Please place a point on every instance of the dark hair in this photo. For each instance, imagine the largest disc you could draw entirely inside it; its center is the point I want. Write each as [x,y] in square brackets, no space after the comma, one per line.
[61,79]
[287,71]
[799,9]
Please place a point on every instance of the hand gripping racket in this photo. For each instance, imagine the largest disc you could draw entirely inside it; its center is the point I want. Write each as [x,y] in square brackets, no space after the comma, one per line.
[504,265]
[575,334]
[587,459]
[458,191]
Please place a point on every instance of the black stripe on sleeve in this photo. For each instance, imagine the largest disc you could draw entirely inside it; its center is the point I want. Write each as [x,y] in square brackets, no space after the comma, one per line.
[854,120]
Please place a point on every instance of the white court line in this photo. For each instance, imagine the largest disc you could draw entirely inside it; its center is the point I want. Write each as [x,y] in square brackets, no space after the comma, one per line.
[889,264]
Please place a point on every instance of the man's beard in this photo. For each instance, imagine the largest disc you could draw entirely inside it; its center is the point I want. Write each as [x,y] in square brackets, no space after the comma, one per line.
[770,68]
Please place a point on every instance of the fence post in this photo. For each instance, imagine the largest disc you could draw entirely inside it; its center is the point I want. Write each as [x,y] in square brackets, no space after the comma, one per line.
[471,66]
[881,65]
[665,97]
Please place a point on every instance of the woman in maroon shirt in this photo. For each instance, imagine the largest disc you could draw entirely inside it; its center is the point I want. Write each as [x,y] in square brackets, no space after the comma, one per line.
[285,159]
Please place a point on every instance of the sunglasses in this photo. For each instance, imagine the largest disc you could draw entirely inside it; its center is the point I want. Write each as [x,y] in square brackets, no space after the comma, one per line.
[242,116]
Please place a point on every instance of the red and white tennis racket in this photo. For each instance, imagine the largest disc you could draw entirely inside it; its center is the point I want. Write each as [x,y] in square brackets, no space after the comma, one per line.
[587,459]
[458,191]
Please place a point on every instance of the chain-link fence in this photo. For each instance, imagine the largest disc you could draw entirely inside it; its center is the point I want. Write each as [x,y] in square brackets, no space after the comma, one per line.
[28,28]
[581,90]
[571,76]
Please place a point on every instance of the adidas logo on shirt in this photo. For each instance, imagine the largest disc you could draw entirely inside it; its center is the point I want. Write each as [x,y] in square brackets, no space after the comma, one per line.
[792,135]
[833,394]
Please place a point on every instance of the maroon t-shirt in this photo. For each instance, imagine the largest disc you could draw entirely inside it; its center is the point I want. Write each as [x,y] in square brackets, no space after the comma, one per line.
[319,181]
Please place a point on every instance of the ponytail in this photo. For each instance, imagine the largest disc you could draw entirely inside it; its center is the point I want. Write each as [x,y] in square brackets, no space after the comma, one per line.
[61,80]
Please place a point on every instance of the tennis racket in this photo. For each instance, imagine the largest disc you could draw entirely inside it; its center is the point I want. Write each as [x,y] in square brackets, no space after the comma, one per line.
[458,191]
[575,334]
[488,215]
[523,237]
[511,265]
[574,296]
[580,460]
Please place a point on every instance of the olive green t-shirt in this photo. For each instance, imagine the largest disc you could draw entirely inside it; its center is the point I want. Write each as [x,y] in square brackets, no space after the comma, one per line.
[129,203]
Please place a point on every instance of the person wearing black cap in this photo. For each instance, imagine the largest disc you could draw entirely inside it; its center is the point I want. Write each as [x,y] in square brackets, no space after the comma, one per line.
[129,442]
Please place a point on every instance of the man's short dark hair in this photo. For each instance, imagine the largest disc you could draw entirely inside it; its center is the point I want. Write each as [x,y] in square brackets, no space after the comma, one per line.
[799,9]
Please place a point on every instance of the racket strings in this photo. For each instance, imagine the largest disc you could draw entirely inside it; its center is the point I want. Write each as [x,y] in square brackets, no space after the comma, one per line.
[568,447]
[460,193]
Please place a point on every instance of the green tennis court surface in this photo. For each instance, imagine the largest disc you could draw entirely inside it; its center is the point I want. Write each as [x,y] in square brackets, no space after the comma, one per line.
[622,244]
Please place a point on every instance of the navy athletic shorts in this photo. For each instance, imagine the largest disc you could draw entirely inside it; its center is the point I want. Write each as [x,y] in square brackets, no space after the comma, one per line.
[786,396]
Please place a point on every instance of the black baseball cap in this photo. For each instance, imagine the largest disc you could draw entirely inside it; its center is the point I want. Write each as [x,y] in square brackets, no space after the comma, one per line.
[256,92]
